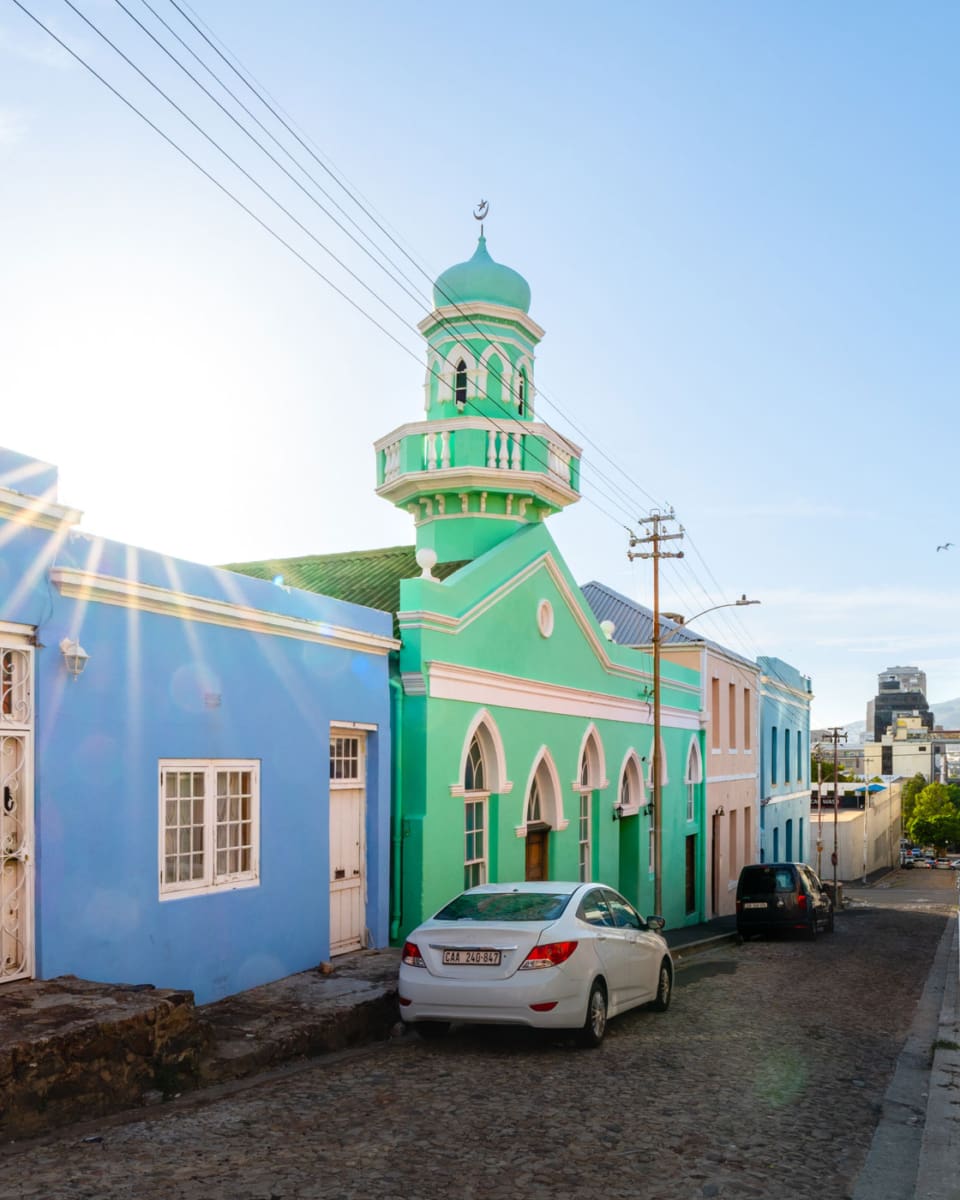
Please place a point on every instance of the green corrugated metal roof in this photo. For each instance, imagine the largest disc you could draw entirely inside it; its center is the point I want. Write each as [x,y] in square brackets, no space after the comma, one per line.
[368,577]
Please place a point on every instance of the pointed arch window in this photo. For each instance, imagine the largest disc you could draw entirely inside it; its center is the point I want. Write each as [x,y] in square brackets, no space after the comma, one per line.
[630,797]
[475,774]
[460,385]
[535,806]
[522,394]
[693,779]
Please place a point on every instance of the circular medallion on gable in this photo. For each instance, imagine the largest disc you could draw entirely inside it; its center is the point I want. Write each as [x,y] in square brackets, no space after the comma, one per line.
[545,618]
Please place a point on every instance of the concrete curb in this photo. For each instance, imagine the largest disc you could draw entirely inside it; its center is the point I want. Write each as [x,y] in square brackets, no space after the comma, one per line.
[901,1149]
[679,953]
[940,1147]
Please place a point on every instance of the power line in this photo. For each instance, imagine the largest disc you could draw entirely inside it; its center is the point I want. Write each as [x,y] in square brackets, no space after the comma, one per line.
[531,453]
[300,225]
[580,433]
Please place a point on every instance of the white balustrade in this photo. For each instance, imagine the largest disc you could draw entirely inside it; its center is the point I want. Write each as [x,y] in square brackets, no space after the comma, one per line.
[391,462]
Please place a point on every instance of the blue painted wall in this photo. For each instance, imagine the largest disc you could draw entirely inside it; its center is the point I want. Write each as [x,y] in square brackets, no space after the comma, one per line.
[148,694]
[785,697]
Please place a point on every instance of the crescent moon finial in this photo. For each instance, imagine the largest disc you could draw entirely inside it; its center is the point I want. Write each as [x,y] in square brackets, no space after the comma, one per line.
[481,210]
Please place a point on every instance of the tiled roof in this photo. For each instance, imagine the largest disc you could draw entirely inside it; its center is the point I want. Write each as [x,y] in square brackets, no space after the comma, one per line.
[368,577]
[633,622]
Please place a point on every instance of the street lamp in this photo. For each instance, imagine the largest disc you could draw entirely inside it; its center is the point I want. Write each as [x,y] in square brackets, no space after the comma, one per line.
[730,604]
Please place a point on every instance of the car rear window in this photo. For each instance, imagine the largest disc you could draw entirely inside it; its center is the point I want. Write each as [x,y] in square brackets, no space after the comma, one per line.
[504,906]
[759,880]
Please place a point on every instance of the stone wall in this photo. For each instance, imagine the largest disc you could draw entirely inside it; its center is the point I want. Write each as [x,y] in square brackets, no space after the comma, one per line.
[71,1050]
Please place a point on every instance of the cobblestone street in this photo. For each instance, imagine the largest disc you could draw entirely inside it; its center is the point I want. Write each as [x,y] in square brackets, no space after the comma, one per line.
[764,1080]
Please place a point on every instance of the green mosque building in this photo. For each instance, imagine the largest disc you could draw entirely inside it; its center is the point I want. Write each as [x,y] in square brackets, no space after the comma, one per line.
[522,733]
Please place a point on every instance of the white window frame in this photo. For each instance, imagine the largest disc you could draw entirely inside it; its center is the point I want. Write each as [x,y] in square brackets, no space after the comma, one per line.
[475,864]
[586,803]
[211,880]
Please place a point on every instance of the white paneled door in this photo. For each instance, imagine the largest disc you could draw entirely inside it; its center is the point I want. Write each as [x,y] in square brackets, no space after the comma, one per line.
[16,806]
[347,849]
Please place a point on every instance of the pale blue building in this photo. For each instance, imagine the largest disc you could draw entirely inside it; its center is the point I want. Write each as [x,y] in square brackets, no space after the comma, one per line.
[195,765]
[785,699]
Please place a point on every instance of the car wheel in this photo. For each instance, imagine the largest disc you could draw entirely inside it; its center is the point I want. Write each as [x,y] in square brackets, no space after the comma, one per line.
[595,1022]
[812,931]
[664,989]
[431,1030]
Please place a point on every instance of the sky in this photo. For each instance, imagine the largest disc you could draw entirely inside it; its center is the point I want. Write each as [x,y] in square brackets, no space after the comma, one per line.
[739,222]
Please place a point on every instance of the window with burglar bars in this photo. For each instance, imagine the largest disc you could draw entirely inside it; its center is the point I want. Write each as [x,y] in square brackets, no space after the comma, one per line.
[209,825]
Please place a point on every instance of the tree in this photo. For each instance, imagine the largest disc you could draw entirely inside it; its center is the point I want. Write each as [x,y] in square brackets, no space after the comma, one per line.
[826,770]
[935,819]
[908,796]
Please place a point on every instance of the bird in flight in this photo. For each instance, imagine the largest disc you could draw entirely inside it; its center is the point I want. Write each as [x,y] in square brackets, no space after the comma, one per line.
[945,546]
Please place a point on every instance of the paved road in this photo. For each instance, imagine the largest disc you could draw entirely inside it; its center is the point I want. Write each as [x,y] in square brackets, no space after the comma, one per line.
[764,1080]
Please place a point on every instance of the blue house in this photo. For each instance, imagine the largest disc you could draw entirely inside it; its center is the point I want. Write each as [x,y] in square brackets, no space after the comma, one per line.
[195,765]
[785,698]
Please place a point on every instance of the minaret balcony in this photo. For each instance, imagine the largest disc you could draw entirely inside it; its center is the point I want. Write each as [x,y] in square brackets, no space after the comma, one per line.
[470,453]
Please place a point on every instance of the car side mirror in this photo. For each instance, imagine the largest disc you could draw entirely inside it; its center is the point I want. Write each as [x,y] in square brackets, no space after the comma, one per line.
[657,924]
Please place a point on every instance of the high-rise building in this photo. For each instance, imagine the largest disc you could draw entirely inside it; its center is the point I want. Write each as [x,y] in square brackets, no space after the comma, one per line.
[900,690]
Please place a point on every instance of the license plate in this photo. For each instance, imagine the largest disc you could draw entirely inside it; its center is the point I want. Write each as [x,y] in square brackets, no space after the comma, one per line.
[471,958]
[755,904]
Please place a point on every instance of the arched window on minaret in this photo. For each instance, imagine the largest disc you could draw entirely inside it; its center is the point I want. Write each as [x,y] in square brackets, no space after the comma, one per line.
[521,394]
[460,385]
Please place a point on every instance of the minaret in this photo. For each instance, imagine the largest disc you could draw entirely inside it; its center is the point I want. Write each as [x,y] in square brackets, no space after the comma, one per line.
[480,466]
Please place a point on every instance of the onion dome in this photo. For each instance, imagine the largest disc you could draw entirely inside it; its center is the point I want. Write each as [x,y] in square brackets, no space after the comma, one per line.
[482,279]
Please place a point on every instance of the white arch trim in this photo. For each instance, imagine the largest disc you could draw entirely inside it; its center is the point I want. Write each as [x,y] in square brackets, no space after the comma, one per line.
[507,392]
[694,771]
[632,759]
[554,802]
[494,760]
[664,767]
[591,733]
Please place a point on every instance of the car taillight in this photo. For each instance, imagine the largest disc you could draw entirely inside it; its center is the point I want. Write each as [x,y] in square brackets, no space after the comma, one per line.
[739,905]
[411,955]
[550,955]
[802,901]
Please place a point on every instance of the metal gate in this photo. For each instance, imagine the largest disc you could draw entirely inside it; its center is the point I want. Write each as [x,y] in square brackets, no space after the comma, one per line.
[16,807]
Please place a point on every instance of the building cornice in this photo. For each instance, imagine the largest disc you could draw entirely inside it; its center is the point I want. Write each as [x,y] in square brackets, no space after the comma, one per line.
[144,597]
[34,510]
[539,484]
[448,317]
[451,681]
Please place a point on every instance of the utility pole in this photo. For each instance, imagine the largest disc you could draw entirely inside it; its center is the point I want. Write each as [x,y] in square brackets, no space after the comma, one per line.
[835,735]
[654,539]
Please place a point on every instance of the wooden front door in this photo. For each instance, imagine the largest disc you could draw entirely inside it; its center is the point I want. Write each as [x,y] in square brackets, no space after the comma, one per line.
[536,859]
[347,850]
[691,873]
[715,865]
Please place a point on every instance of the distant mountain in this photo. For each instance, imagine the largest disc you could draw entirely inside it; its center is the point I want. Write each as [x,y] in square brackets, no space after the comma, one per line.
[946,714]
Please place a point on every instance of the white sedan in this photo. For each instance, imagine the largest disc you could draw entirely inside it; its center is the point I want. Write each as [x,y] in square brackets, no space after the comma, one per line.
[550,955]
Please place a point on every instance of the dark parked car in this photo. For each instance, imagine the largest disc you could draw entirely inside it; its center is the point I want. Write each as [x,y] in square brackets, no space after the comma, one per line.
[774,896]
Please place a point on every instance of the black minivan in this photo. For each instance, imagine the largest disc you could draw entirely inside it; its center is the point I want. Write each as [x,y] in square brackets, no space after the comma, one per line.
[772,896]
